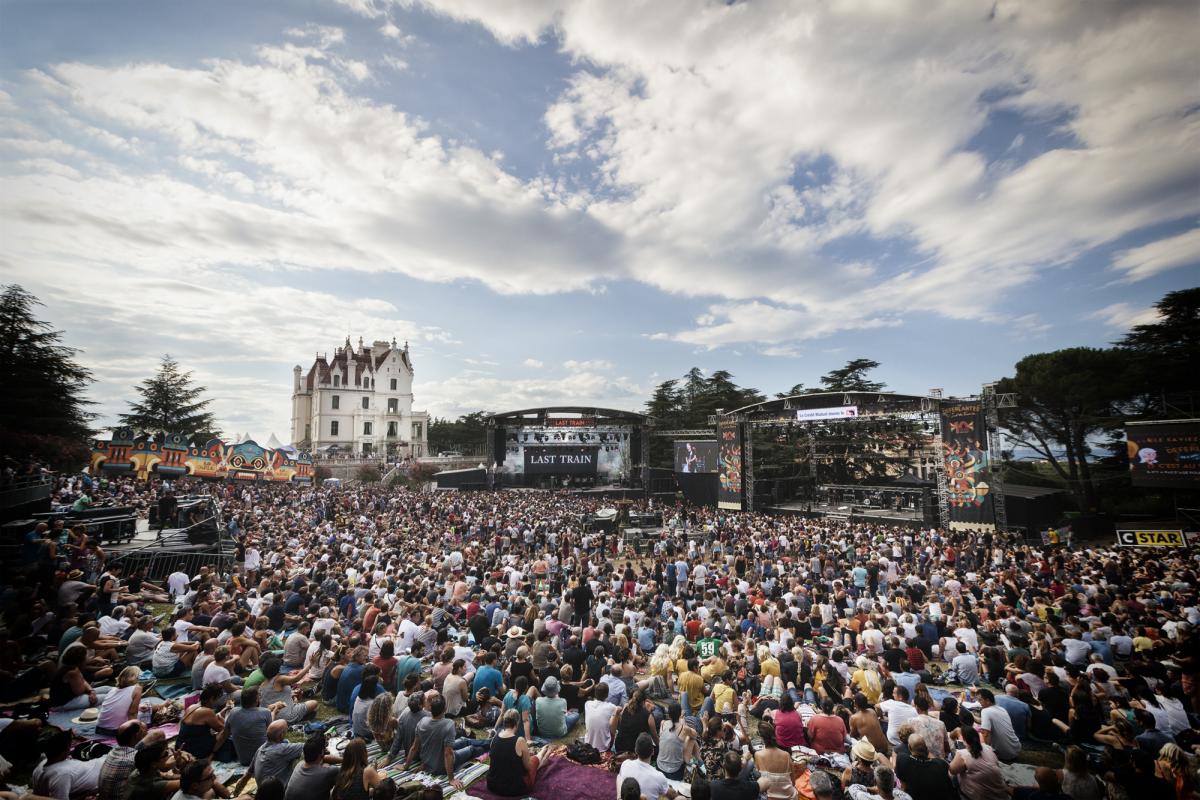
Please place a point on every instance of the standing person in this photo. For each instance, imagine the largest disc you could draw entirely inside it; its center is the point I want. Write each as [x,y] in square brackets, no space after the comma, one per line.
[168,508]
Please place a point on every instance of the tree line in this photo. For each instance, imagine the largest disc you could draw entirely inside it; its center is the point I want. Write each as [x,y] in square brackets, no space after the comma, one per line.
[1071,403]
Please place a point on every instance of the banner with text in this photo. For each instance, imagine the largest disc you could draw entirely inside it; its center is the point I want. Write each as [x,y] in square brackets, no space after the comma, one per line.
[560,460]
[730,486]
[1165,454]
[837,412]
[965,454]
[1151,539]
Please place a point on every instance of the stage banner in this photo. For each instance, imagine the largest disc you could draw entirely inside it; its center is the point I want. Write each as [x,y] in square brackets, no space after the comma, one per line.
[730,487]
[965,453]
[1151,539]
[1164,454]
[560,460]
[694,457]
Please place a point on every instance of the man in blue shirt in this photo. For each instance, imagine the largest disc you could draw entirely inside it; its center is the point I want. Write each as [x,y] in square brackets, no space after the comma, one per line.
[646,638]
[349,680]
[1018,712]
[489,677]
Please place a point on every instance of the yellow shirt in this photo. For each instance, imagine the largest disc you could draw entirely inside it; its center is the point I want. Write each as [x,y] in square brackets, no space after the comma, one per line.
[693,684]
[1141,643]
[714,669]
[769,667]
[724,699]
[868,683]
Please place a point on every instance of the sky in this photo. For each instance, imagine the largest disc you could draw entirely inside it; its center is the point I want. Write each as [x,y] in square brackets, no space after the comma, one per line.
[560,201]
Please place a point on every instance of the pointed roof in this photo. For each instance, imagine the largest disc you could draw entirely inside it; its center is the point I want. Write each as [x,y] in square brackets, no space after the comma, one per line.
[273,443]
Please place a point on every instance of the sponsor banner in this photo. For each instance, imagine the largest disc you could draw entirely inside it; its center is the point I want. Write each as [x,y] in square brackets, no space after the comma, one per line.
[584,422]
[965,455]
[839,412]
[567,460]
[730,485]
[692,457]
[1151,539]
[1165,454]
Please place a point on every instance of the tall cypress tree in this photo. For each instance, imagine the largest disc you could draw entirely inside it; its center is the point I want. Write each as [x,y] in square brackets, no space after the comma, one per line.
[43,410]
[171,403]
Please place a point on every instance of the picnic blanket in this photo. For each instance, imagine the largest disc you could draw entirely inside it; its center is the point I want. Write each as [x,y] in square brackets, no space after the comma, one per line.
[172,691]
[87,730]
[560,778]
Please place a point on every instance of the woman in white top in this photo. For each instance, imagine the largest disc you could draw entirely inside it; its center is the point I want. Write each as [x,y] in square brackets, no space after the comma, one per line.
[121,704]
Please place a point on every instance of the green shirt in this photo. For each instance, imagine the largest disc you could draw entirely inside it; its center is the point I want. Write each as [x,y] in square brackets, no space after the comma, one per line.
[707,648]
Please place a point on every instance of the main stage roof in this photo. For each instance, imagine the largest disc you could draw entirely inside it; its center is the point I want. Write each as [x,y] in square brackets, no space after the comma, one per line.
[882,400]
[533,416]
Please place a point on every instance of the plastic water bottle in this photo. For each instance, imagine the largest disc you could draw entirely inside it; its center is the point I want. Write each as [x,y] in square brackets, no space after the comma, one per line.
[146,713]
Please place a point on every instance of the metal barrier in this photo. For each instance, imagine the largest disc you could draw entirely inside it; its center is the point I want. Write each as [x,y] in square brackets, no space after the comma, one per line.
[159,563]
[26,491]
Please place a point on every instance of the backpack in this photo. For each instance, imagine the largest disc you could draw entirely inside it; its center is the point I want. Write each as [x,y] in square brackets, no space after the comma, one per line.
[583,753]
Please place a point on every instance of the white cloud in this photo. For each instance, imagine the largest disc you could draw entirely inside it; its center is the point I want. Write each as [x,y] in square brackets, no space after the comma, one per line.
[463,394]
[733,323]
[696,153]
[240,335]
[533,363]
[1123,316]
[284,167]
[595,365]
[1139,263]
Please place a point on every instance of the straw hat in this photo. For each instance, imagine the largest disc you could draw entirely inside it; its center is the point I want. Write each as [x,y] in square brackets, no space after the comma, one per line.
[863,750]
[88,715]
[515,633]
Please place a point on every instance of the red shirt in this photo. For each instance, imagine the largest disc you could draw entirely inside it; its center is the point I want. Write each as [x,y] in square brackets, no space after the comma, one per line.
[827,734]
[916,658]
[789,729]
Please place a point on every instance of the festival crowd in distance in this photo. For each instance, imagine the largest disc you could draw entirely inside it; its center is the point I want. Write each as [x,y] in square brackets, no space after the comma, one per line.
[737,655]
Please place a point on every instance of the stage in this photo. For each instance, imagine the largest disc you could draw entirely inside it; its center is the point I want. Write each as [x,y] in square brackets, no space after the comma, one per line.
[856,513]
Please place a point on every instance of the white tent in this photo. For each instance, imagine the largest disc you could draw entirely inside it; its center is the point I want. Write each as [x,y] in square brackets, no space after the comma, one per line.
[273,443]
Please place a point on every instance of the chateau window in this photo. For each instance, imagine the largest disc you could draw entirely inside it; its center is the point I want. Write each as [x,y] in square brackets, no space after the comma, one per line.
[391,429]
[333,428]
[393,405]
[336,378]
[337,401]
[366,402]
[416,430]
[366,429]
[393,384]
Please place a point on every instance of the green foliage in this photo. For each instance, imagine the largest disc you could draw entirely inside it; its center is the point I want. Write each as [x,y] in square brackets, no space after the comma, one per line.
[467,434]
[688,402]
[170,402]
[1167,363]
[368,473]
[1068,398]
[43,410]
[852,377]
[321,473]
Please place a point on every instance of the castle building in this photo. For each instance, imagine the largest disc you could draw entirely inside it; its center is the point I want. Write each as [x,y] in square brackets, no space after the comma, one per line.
[359,402]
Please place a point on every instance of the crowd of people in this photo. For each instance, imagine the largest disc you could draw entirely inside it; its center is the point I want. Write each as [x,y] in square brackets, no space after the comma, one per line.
[744,655]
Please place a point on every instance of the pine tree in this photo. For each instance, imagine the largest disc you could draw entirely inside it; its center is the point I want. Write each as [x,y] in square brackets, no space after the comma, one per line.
[172,404]
[43,410]
[852,377]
